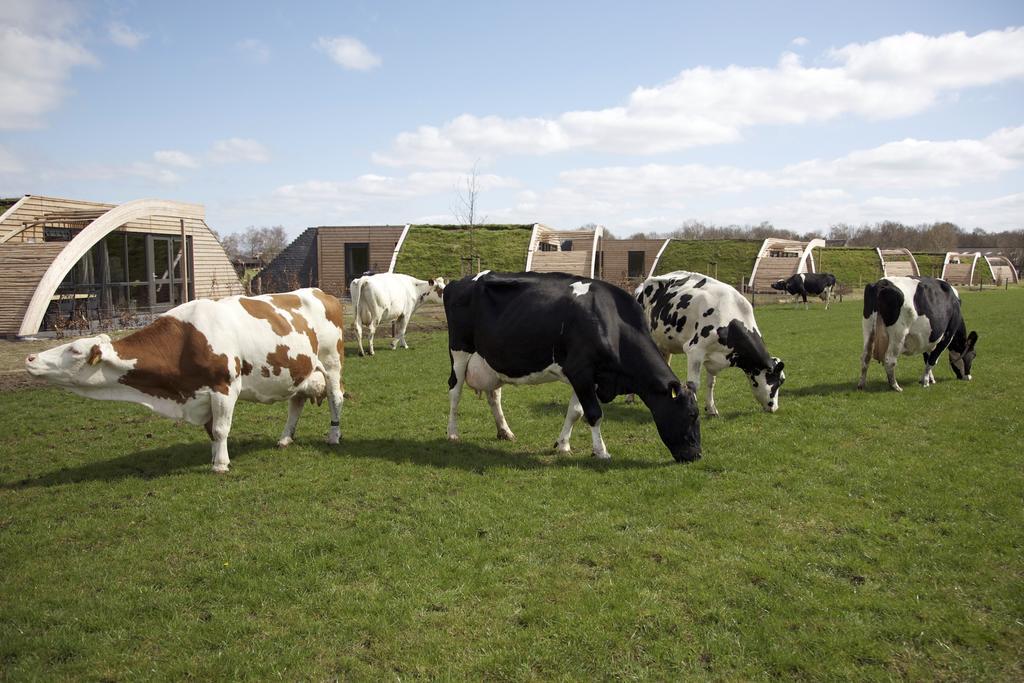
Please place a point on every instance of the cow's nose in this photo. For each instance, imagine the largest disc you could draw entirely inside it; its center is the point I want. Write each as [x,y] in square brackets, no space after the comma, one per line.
[31,358]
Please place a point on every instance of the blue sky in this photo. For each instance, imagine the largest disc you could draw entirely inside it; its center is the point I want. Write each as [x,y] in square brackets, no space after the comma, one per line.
[637,116]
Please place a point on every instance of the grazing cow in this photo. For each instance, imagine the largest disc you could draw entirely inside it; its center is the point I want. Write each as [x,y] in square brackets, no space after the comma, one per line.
[714,326]
[390,296]
[907,315]
[532,328]
[195,361]
[802,284]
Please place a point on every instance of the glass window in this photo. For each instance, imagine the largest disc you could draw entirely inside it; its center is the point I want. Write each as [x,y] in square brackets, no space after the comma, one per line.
[177,258]
[635,264]
[116,258]
[161,258]
[138,271]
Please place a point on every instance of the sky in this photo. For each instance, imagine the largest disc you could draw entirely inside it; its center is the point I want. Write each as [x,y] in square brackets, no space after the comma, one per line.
[636,116]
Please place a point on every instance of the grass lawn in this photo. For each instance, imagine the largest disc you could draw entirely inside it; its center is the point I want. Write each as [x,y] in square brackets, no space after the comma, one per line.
[853,267]
[853,535]
[430,251]
[733,259]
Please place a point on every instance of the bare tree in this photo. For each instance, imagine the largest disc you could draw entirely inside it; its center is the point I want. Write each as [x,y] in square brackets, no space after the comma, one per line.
[263,243]
[465,208]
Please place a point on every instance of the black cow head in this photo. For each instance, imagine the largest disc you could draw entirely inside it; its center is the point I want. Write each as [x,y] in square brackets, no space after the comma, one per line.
[779,285]
[678,419]
[961,362]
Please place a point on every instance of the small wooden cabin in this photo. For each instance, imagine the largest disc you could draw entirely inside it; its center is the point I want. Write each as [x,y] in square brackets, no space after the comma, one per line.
[958,268]
[780,258]
[72,260]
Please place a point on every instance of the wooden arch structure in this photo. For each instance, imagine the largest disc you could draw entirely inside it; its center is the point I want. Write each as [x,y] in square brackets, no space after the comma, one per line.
[897,262]
[547,252]
[1002,269]
[32,267]
[780,258]
[958,267]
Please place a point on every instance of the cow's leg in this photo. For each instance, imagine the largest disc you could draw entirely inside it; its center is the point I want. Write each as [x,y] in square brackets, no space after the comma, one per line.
[709,400]
[494,400]
[927,379]
[335,399]
[403,323]
[373,331]
[891,356]
[694,363]
[358,324]
[572,416]
[460,361]
[222,409]
[828,296]
[583,386]
[804,295]
[295,406]
[865,356]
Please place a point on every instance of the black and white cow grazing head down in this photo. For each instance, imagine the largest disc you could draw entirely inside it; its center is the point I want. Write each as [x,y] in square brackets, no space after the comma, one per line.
[714,326]
[531,328]
[908,315]
[802,284]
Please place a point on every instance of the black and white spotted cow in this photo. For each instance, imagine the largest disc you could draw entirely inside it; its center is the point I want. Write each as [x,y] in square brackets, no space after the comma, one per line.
[802,284]
[714,326]
[532,328]
[908,315]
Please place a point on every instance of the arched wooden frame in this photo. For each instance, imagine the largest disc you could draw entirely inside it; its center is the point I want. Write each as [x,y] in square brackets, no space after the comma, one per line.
[80,245]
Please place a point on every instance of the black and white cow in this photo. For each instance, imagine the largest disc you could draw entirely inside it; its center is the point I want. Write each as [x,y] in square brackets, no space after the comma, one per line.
[532,328]
[714,326]
[908,315]
[802,284]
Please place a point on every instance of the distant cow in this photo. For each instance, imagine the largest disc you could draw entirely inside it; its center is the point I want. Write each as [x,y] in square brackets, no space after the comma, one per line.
[390,296]
[531,328]
[908,315]
[714,326]
[195,361]
[802,284]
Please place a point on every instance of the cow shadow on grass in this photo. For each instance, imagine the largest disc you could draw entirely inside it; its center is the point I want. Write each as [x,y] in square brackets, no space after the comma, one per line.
[832,388]
[439,453]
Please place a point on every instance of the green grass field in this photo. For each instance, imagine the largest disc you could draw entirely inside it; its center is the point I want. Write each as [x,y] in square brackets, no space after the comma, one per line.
[734,258]
[432,251]
[852,535]
[853,267]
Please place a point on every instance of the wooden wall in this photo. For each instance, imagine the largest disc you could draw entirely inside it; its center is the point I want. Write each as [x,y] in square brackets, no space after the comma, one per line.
[213,275]
[331,251]
[615,255]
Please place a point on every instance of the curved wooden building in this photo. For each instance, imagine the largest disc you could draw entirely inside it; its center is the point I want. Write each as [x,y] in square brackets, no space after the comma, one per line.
[780,258]
[896,262]
[958,267]
[66,259]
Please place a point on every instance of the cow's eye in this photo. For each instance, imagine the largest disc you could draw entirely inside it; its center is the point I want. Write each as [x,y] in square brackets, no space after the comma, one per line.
[73,351]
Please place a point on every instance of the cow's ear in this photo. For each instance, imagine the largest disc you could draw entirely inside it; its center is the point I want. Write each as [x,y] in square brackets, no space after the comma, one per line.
[430,282]
[778,366]
[674,388]
[972,339]
[95,355]
[692,388]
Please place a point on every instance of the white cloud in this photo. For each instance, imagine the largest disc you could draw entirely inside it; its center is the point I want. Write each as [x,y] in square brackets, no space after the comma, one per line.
[374,187]
[123,35]
[113,172]
[239,150]
[174,157]
[254,50]
[37,55]
[799,41]
[893,77]
[349,52]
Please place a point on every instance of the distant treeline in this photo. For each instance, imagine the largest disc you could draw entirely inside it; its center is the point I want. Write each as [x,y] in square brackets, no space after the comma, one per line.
[928,237]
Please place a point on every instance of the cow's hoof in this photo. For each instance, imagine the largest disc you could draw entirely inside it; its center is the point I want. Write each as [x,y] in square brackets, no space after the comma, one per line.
[506,435]
[361,354]
[562,447]
[710,413]
[453,437]
[334,439]
[860,386]
[220,469]
[284,442]
[896,387]
[602,456]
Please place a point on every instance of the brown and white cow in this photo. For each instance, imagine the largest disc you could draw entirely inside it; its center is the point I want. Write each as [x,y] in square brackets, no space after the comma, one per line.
[195,361]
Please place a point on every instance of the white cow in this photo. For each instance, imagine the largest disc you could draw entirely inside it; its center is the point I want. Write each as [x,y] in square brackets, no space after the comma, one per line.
[195,361]
[385,297]
[714,326]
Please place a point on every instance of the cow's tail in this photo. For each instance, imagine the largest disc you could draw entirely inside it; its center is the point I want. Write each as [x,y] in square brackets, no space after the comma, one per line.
[880,338]
[355,291]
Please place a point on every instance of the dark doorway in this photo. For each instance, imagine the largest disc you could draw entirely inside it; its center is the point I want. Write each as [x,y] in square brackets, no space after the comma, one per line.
[635,264]
[357,261]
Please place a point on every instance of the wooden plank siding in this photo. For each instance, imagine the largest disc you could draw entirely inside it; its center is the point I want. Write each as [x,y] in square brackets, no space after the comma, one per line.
[331,242]
[30,257]
[614,260]
[21,268]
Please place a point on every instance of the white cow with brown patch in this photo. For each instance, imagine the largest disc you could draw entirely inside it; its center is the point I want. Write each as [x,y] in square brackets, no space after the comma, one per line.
[195,361]
[385,297]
